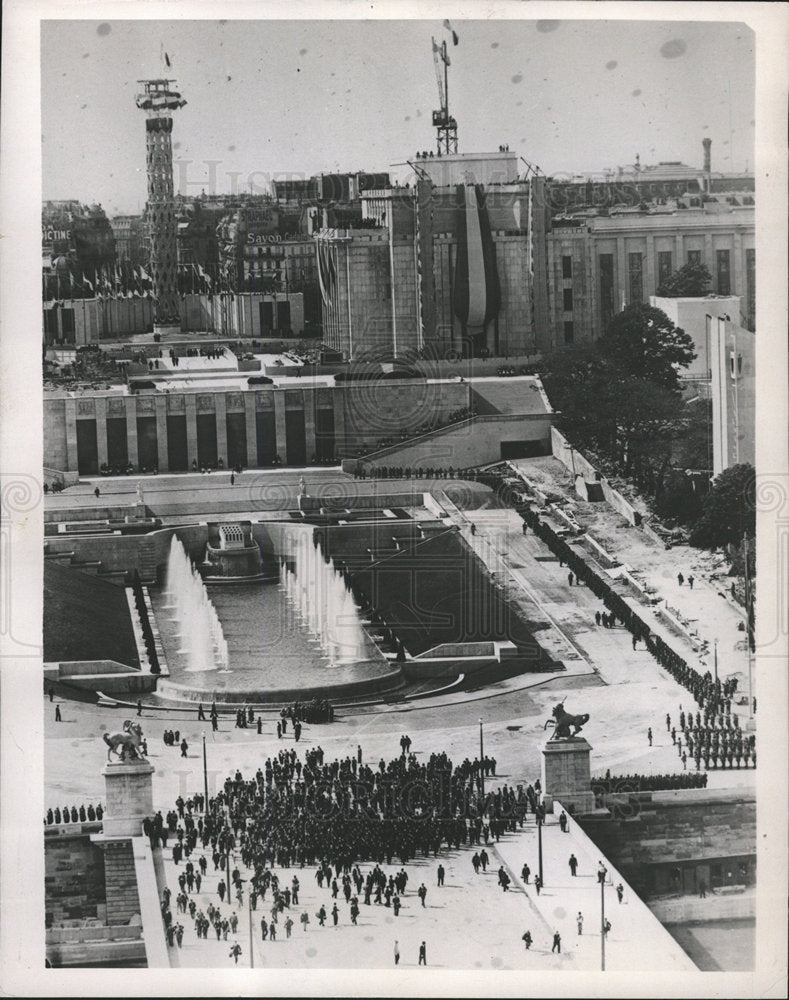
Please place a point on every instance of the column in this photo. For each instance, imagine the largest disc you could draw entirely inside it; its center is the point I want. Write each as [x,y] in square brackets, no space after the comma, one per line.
[338,403]
[190,407]
[737,272]
[72,459]
[279,423]
[622,277]
[131,430]
[650,269]
[252,430]
[101,429]
[709,260]
[220,411]
[310,402]
[679,253]
[162,453]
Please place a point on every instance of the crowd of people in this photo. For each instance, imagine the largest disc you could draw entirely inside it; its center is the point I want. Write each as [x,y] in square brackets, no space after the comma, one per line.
[315,711]
[624,783]
[354,825]
[72,814]
[713,734]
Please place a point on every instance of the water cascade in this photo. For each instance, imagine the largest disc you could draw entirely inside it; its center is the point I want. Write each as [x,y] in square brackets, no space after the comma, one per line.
[325,605]
[202,641]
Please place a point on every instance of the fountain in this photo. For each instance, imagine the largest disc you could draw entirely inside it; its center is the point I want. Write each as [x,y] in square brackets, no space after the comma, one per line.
[202,641]
[319,594]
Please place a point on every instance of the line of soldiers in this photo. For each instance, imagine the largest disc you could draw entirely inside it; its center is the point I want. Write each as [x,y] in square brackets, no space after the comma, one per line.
[71,814]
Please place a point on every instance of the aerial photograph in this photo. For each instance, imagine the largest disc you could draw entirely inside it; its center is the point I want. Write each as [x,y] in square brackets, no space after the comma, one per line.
[399,497]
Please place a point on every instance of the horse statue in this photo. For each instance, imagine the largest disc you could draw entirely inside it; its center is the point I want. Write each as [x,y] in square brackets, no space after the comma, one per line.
[127,745]
[562,721]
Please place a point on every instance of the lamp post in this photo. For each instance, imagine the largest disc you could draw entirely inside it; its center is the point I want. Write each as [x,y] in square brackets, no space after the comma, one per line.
[601,876]
[205,779]
[251,941]
[715,658]
[540,817]
[481,769]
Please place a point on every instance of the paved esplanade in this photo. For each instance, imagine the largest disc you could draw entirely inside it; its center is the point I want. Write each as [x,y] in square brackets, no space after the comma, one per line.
[470,922]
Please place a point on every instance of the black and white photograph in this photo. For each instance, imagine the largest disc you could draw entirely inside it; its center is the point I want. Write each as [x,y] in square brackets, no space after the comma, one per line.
[394,540]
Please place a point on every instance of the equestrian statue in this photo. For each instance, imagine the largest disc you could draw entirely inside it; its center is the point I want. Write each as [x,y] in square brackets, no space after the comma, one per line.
[562,721]
[128,744]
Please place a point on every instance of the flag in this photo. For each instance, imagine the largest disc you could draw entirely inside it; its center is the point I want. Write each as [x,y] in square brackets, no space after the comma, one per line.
[449,27]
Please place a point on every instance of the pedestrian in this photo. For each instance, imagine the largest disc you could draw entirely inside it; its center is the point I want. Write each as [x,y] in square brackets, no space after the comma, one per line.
[702,889]
[563,821]
[579,920]
[58,717]
[184,747]
[440,873]
[573,863]
[305,919]
[397,953]
[668,722]
[635,640]
[232,479]
[288,926]
[279,730]
[335,914]
[525,872]
[570,578]
[321,915]
[260,725]
[538,883]
[221,890]
[557,942]
[691,578]
[606,927]
[422,892]
[602,871]
[423,954]
[527,939]
[620,892]
[51,693]
[235,951]
[272,931]
[97,492]
[597,618]
[475,863]
[649,735]
[483,859]
[680,579]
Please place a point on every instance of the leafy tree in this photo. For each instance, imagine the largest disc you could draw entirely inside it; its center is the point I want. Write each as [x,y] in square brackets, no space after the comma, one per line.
[691,281]
[729,510]
[643,342]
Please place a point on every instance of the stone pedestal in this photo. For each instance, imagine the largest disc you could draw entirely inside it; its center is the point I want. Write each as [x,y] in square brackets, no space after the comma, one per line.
[129,797]
[167,329]
[566,774]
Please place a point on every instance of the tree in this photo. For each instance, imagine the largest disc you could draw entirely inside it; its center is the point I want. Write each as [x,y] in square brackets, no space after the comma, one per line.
[643,342]
[691,281]
[729,511]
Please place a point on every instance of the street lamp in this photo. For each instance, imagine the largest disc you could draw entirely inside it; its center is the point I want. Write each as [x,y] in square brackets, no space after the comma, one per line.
[481,768]
[601,874]
[205,779]
[715,658]
[540,817]
[251,941]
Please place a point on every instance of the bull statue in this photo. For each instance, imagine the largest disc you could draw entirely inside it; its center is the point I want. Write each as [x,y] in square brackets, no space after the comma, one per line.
[127,744]
[562,721]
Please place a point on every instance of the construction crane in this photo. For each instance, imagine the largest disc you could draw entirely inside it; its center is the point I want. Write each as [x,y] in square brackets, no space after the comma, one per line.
[445,125]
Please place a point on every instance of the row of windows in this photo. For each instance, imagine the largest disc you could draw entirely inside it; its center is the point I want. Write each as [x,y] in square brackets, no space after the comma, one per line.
[665,264]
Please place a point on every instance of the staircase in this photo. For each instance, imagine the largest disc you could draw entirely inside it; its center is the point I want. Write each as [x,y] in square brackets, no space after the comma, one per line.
[92,567]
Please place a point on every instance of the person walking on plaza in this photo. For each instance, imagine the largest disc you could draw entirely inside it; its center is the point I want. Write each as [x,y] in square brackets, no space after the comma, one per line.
[483,859]
[200,713]
[573,863]
[620,891]
[579,920]
[649,735]
[602,871]
[504,879]
[423,954]
[58,716]
[691,578]
[680,579]
[139,707]
[288,927]
[563,821]
[422,892]
[525,872]
[235,951]
[97,492]
[397,953]
[440,873]
[557,942]
[537,883]
[570,578]
[474,860]
[184,747]
[527,939]
[305,919]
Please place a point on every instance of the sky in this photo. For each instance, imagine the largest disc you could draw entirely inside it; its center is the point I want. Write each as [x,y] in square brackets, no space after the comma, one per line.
[294,98]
